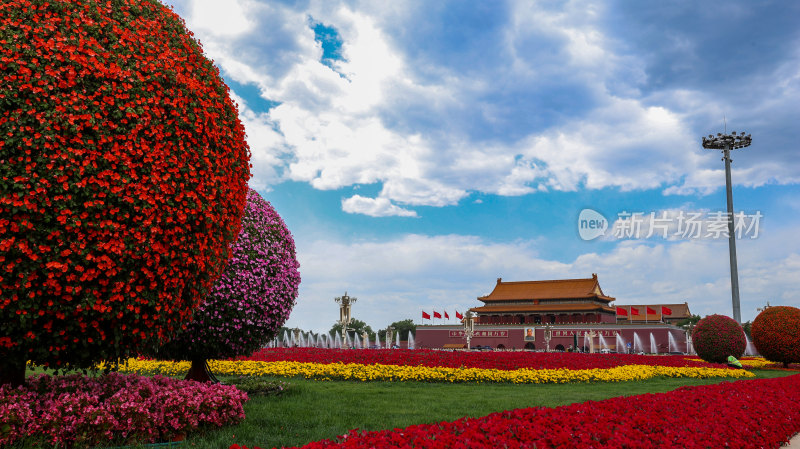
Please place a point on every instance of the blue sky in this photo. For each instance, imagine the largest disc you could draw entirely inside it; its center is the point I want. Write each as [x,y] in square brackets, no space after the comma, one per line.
[420,150]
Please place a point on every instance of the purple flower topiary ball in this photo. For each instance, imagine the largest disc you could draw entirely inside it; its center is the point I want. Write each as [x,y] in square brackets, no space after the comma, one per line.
[252,298]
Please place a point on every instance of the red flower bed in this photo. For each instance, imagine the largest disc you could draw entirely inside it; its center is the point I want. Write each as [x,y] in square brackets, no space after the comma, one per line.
[745,414]
[485,360]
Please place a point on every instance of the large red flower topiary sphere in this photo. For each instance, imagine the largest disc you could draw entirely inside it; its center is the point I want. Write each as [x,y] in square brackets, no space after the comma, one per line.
[716,337]
[252,298]
[776,334]
[123,174]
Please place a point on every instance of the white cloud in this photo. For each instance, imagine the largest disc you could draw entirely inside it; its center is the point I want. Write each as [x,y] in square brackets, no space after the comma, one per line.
[266,146]
[424,130]
[374,207]
[396,279]
[225,19]
[623,144]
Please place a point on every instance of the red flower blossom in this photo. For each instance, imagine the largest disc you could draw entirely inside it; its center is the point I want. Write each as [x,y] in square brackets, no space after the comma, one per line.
[716,337]
[123,174]
[776,334]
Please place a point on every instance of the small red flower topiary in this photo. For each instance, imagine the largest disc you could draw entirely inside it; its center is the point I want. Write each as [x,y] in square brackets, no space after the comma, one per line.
[776,334]
[123,175]
[716,337]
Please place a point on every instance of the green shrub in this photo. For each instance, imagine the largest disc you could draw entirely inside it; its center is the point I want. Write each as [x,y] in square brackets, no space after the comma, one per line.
[257,386]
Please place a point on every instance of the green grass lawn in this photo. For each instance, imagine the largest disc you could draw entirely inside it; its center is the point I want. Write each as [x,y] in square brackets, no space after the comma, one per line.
[315,410]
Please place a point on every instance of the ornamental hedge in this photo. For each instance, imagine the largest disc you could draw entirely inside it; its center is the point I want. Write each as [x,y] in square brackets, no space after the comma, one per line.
[123,174]
[716,337]
[776,334]
[252,298]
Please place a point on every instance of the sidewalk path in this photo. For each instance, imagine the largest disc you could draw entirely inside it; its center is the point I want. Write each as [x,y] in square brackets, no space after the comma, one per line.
[794,443]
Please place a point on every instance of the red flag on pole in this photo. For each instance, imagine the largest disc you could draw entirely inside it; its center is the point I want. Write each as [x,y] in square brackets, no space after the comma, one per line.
[459,316]
[634,311]
[425,316]
[650,311]
[666,310]
[437,314]
[621,311]
[446,316]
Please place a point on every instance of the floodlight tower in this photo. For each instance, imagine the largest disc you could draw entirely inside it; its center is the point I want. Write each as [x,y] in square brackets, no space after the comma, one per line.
[728,143]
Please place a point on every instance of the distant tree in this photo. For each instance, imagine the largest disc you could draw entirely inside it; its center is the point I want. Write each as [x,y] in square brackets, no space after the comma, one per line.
[404,327]
[692,320]
[746,326]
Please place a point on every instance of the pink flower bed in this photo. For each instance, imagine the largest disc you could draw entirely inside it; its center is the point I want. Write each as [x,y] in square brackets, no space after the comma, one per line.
[485,360]
[759,413]
[70,411]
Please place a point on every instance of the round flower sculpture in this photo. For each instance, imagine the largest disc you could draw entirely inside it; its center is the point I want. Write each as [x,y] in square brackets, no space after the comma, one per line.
[776,334]
[123,175]
[251,299]
[716,337]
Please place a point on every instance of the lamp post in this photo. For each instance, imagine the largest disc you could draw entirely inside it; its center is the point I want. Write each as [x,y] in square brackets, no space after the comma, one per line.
[345,318]
[389,336]
[591,335]
[548,334]
[469,326]
[728,143]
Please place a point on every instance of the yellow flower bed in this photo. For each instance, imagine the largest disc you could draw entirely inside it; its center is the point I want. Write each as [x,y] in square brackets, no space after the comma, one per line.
[395,373]
[750,362]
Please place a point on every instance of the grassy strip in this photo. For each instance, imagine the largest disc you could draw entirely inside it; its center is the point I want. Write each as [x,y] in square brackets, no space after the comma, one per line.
[313,410]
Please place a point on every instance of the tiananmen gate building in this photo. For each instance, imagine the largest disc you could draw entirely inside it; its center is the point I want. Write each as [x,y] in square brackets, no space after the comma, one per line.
[576,312]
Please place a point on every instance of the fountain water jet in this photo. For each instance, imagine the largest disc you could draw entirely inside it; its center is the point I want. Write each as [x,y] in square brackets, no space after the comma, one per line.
[672,345]
[749,349]
[653,346]
[637,343]
[410,340]
[603,344]
[621,344]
